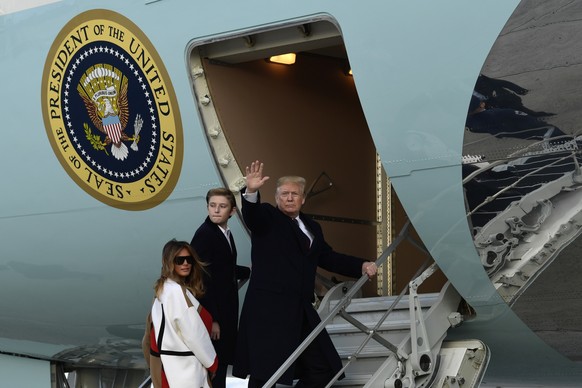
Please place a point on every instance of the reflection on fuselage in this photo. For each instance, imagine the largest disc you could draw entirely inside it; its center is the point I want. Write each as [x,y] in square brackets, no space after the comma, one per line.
[521,172]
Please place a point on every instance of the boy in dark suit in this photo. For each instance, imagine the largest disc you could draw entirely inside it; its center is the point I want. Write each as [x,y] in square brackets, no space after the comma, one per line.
[215,246]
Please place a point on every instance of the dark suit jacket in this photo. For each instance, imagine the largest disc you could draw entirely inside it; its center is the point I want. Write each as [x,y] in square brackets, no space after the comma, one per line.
[280,293]
[221,296]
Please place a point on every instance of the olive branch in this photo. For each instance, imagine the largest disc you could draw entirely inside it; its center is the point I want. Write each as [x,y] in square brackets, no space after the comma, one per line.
[95,140]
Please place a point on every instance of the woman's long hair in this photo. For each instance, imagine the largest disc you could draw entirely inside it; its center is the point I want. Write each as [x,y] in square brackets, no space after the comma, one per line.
[193,282]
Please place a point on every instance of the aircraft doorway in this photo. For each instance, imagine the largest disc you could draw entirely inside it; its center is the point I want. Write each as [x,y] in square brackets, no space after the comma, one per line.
[300,119]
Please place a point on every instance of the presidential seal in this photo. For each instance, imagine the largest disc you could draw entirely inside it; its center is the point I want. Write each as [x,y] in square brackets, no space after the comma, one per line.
[110,111]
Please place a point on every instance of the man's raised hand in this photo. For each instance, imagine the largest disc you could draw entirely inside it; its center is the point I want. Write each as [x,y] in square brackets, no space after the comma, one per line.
[254,176]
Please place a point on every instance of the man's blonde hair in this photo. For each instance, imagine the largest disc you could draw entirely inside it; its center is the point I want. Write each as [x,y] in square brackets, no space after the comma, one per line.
[291,179]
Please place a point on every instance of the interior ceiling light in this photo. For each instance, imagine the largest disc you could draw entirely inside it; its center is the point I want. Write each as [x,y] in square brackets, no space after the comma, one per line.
[286,59]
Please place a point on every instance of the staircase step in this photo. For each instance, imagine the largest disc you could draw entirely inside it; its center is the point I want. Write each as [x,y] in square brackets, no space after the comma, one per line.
[381,303]
[353,380]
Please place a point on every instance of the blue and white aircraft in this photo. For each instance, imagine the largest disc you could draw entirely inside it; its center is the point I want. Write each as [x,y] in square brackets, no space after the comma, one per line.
[459,119]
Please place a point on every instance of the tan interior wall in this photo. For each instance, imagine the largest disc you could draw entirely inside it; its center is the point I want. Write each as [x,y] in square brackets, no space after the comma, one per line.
[303,120]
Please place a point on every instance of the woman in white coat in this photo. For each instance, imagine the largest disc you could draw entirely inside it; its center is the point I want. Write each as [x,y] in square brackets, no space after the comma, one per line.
[181,325]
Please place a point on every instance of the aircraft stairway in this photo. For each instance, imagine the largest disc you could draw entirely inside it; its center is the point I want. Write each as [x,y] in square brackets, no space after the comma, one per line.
[369,363]
[348,339]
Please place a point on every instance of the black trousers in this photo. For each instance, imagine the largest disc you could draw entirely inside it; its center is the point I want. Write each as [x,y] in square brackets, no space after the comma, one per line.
[311,367]
[256,383]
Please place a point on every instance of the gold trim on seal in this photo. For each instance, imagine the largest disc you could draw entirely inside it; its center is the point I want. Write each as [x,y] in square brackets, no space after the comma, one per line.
[95,128]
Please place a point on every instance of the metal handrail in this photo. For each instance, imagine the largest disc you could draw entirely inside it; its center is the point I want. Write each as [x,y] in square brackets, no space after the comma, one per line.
[344,302]
[373,333]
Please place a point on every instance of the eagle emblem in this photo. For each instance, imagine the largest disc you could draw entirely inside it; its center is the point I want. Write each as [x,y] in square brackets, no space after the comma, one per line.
[103,89]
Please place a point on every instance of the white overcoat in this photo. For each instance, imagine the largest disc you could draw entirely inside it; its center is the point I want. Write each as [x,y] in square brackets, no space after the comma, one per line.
[183,341]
